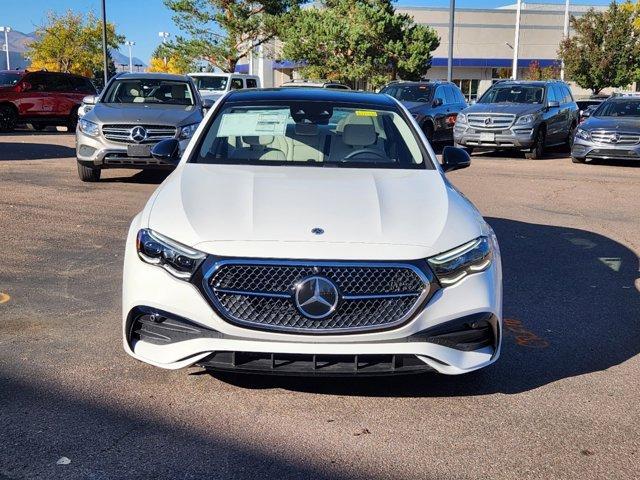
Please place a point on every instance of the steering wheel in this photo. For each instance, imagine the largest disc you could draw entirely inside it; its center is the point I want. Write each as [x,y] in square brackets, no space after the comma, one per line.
[422,99]
[362,151]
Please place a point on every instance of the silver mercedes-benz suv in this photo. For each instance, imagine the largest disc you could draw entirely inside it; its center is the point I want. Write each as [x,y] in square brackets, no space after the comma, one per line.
[134,112]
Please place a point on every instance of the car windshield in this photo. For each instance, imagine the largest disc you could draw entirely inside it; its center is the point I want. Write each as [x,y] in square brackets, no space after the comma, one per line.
[7,79]
[514,94]
[410,93]
[310,133]
[626,108]
[168,92]
[217,83]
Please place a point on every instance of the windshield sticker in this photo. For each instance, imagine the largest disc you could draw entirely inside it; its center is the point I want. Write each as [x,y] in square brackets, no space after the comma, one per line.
[247,124]
[366,113]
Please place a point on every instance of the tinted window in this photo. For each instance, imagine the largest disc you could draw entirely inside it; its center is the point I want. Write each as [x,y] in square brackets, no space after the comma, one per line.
[236,84]
[211,83]
[552,95]
[450,96]
[59,83]
[251,83]
[625,108]
[440,95]
[568,97]
[38,82]
[337,86]
[458,94]
[82,85]
[410,93]
[9,78]
[513,94]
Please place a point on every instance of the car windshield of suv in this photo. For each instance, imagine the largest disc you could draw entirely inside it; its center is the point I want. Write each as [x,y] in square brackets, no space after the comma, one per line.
[7,79]
[514,94]
[308,133]
[168,92]
[410,93]
[626,108]
[218,84]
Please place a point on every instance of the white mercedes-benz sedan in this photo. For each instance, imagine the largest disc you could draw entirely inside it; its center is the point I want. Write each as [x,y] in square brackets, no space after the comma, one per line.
[311,232]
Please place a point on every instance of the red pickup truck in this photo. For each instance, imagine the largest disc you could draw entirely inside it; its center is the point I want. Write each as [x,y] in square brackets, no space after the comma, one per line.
[41,98]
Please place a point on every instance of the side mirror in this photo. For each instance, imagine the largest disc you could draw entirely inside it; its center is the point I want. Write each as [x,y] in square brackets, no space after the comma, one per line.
[454,158]
[586,113]
[553,104]
[167,151]
[89,100]
[437,102]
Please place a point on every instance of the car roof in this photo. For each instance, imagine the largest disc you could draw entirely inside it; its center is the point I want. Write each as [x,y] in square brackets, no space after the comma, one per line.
[419,82]
[219,74]
[310,94]
[151,76]
[537,83]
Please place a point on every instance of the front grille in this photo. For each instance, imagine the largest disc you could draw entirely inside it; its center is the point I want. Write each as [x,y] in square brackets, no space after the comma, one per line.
[611,137]
[261,294]
[490,121]
[122,133]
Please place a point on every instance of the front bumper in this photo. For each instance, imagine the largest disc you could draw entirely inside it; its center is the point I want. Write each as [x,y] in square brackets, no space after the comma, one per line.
[102,153]
[198,336]
[585,149]
[515,137]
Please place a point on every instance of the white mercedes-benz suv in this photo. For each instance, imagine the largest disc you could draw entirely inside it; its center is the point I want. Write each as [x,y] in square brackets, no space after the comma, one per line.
[313,232]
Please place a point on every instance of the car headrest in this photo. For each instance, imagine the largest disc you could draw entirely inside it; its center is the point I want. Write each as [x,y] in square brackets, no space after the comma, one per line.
[306,129]
[257,141]
[352,118]
[177,91]
[359,135]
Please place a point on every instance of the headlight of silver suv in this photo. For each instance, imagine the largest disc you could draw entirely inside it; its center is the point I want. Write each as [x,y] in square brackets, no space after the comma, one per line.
[177,259]
[528,119]
[188,130]
[472,257]
[461,119]
[583,134]
[88,128]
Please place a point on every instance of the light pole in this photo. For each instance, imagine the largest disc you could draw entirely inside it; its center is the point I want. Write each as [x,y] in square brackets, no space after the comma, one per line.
[105,62]
[566,33]
[516,42]
[452,18]
[130,44]
[6,31]
[164,36]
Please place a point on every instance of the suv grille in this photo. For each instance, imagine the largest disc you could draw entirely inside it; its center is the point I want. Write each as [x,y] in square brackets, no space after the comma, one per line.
[122,133]
[611,137]
[260,294]
[491,121]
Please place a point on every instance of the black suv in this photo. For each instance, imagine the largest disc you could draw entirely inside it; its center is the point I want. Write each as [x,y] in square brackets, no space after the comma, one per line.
[434,105]
[522,115]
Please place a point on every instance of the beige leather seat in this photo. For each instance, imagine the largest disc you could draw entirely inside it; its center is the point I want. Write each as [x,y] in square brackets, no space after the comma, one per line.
[306,142]
[258,148]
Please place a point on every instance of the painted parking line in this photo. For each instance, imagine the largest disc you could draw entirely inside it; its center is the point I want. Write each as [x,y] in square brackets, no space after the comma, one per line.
[523,337]
[4,297]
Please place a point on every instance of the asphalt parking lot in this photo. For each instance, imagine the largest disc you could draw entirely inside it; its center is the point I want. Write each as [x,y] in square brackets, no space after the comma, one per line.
[561,403]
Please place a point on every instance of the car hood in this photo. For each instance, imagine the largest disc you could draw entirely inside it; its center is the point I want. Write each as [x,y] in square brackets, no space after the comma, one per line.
[514,108]
[266,211]
[171,115]
[211,95]
[612,123]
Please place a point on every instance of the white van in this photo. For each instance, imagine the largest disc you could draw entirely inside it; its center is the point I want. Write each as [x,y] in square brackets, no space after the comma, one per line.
[213,85]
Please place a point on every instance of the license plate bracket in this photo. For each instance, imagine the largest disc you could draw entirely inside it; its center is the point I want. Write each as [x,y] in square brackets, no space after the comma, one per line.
[487,137]
[139,150]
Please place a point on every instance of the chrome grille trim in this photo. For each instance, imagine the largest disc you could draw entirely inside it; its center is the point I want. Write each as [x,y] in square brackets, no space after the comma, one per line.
[605,137]
[272,309]
[499,121]
[122,132]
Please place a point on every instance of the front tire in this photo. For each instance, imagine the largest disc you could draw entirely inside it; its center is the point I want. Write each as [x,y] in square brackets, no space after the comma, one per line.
[537,151]
[428,131]
[88,174]
[8,118]
[578,160]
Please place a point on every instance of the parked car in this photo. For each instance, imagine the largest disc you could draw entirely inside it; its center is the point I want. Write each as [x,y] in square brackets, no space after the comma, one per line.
[309,231]
[213,85]
[611,132]
[586,106]
[520,115]
[316,84]
[41,98]
[434,105]
[133,113]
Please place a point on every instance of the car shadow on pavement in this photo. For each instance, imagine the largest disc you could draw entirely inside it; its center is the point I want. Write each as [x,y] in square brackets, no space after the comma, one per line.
[571,307]
[150,177]
[15,151]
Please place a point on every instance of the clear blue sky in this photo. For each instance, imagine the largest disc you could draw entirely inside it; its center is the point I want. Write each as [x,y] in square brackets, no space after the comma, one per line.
[141,20]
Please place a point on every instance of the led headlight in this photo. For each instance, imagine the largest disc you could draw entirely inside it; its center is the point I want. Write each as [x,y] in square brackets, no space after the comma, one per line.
[583,134]
[461,118]
[526,120]
[177,259]
[188,130]
[88,127]
[472,257]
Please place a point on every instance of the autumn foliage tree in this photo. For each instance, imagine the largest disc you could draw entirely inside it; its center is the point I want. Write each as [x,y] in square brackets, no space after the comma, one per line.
[168,60]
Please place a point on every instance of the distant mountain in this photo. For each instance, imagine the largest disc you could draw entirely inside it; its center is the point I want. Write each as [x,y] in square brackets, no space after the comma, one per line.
[120,58]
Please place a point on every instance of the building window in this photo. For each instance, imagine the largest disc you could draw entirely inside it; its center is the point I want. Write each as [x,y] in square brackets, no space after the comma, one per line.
[469,88]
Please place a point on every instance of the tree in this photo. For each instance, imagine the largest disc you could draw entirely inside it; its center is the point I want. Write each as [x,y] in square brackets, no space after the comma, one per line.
[536,72]
[175,61]
[348,40]
[224,31]
[605,48]
[71,43]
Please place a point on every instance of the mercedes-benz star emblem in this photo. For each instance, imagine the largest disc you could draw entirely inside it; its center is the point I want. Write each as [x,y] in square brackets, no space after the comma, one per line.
[488,121]
[615,138]
[316,297]
[138,134]
[317,231]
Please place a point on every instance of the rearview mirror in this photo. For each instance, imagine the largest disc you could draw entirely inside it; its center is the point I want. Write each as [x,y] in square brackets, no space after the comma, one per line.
[437,102]
[454,158]
[89,100]
[167,151]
